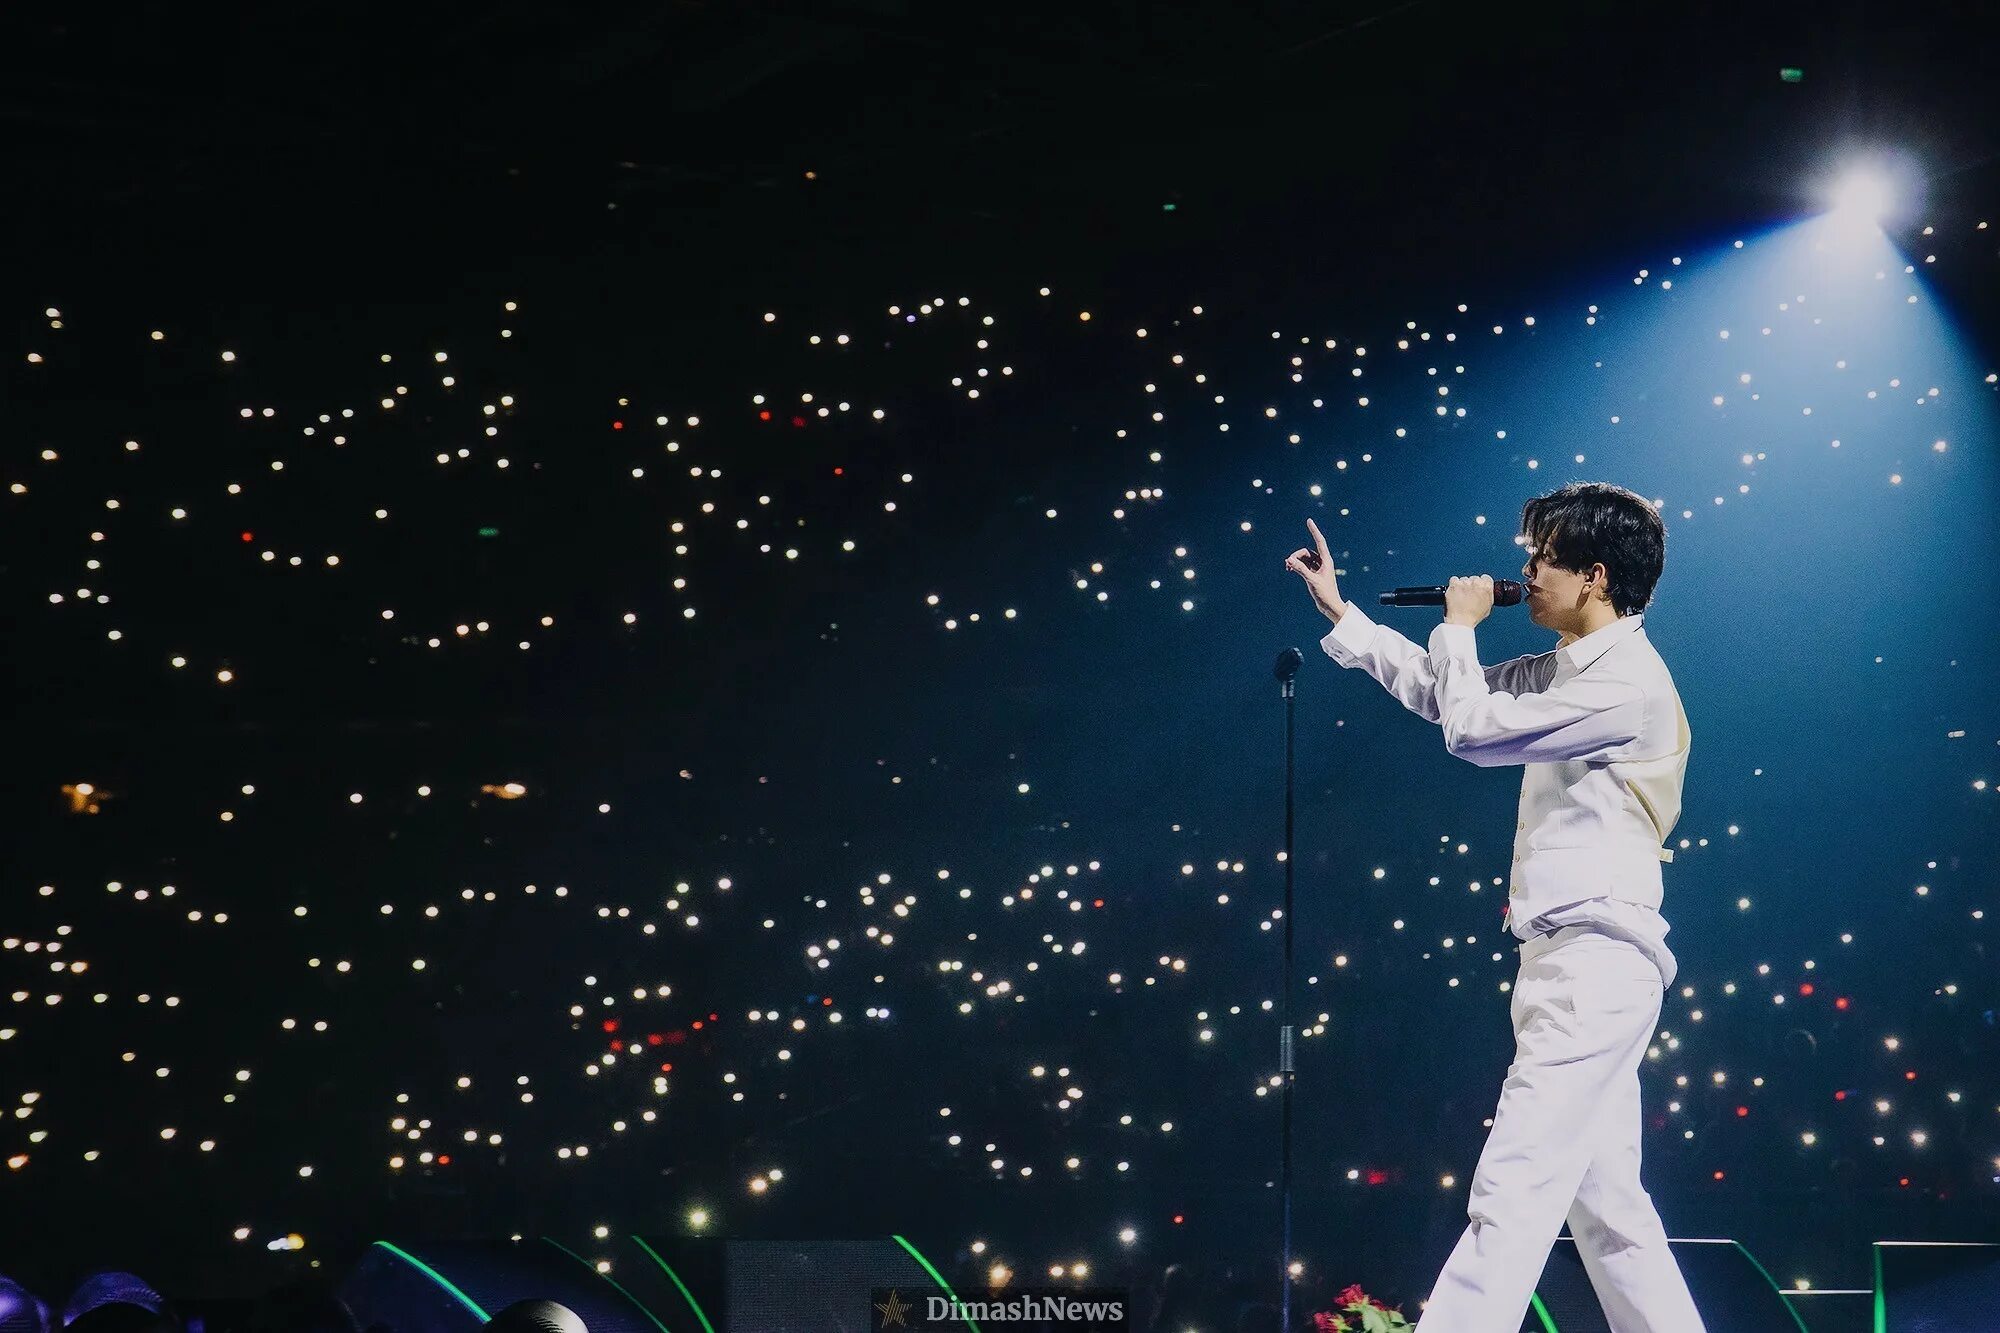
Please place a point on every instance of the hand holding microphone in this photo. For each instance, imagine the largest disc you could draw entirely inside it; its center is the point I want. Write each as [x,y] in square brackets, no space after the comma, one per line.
[1466,600]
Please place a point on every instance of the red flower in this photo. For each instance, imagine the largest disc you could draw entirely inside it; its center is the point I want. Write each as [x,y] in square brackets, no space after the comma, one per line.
[1354,1301]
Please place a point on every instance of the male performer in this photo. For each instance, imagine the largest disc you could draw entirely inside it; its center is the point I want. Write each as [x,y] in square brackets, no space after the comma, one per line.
[1599,729]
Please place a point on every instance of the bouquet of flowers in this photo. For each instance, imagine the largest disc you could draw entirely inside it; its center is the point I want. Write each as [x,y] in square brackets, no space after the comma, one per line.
[1358,1312]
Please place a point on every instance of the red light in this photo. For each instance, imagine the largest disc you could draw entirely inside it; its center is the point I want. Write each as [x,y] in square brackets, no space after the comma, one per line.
[840,472]
[667,1068]
[713,1017]
[618,425]
[1910,1075]
[1805,988]
[1378,1177]
[696,1025]
[765,415]
[1178,1219]
[610,1025]
[617,1045]
[1840,1096]
[798,421]
[1097,902]
[249,537]
[1840,1003]
[655,1039]
[1718,1175]
[827,1001]
[1742,1111]
[445,1160]
[1904,1182]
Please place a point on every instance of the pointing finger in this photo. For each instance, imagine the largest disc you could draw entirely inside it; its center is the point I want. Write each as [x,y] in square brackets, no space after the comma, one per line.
[1319,538]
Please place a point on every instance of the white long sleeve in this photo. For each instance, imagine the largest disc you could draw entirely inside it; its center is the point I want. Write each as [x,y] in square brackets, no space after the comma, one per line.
[1584,718]
[1603,741]
[1406,671]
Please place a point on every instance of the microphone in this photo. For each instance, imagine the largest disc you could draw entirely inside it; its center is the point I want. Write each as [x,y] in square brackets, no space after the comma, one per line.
[1506,592]
[1285,668]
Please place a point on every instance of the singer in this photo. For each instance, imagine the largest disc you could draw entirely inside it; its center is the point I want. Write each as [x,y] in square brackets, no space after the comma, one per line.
[1598,727]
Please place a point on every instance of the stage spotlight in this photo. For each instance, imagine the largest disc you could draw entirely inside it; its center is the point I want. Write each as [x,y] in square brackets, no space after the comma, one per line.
[1868,194]
[21,1311]
[1863,197]
[116,1303]
[118,1317]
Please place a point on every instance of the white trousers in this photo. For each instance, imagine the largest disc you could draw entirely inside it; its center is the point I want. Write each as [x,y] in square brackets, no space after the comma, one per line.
[1565,1146]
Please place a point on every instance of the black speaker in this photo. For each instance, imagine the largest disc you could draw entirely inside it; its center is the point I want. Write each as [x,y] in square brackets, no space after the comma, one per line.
[770,1286]
[1731,1290]
[456,1287]
[1936,1287]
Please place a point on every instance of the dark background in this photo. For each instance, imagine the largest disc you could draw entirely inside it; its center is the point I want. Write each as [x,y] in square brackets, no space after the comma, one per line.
[314,186]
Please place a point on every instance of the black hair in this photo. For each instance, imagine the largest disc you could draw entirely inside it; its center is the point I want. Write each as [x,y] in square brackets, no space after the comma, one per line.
[1591,522]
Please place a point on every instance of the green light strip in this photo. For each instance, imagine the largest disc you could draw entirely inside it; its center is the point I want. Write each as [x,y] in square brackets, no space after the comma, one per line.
[1774,1286]
[687,1295]
[936,1276]
[607,1278]
[1881,1306]
[1542,1313]
[438,1278]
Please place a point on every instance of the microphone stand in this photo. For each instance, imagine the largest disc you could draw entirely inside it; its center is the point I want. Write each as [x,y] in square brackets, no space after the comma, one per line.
[1285,670]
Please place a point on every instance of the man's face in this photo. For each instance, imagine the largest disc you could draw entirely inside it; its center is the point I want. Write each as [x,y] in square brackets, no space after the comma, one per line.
[1556,596]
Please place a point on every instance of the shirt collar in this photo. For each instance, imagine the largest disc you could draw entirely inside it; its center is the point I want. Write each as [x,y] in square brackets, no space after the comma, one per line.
[1580,653]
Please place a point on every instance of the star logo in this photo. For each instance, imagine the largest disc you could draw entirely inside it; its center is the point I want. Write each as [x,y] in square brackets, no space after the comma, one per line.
[893,1310]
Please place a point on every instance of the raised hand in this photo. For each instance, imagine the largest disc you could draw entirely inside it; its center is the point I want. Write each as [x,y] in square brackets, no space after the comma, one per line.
[1314,564]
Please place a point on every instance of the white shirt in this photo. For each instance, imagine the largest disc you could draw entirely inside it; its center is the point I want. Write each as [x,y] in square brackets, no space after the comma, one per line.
[1600,730]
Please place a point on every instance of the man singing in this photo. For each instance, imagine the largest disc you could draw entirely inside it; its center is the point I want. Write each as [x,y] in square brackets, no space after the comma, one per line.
[1597,726]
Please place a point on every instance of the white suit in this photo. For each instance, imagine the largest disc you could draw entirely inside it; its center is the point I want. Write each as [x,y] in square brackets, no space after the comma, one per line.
[1604,740]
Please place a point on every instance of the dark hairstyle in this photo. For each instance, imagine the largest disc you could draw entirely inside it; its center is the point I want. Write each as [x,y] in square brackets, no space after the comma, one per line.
[1588,522]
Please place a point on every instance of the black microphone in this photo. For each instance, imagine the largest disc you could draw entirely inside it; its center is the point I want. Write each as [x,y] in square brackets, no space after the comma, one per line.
[1288,664]
[1506,592]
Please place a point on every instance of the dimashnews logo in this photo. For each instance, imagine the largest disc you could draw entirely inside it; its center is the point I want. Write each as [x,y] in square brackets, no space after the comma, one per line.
[1073,1309]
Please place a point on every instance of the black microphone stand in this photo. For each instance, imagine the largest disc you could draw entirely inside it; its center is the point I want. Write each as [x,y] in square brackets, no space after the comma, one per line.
[1286,669]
